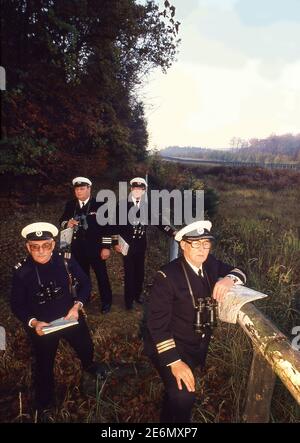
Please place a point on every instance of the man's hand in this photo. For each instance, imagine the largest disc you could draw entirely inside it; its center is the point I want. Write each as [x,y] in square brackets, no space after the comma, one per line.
[72,222]
[104,254]
[118,248]
[38,325]
[182,371]
[73,312]
[222,287]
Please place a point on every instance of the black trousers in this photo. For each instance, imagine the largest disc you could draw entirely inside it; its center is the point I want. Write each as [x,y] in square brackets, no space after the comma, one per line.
[177,404]
[44,350]
[99,267]
[134,269]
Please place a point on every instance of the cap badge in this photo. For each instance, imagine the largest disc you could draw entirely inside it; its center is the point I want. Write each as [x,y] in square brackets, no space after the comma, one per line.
[38,233]
[200,231]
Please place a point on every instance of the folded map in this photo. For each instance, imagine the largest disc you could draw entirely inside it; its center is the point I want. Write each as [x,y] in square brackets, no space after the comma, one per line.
[58,324]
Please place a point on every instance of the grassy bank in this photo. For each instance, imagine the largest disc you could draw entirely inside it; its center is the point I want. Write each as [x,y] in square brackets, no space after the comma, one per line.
[258,229]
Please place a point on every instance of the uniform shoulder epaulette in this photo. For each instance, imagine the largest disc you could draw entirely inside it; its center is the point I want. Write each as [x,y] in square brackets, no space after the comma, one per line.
[20,264]
[22,268]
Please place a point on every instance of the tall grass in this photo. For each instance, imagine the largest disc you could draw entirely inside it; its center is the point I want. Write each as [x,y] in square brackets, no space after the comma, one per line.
[257,236]
[257,229]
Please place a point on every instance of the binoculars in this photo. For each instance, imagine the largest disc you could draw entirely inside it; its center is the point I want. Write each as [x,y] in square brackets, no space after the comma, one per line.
[82,222]
[48,293]
[206,315]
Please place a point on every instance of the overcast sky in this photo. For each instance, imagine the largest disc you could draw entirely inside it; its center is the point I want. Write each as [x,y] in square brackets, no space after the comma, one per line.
[237,74]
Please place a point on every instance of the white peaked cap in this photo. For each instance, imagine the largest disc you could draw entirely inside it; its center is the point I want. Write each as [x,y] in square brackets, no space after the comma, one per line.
[39,231]
[198,229]
[138,181]
[81,181]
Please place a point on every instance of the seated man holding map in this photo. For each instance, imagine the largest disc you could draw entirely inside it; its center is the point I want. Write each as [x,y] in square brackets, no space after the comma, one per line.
[41,293]
[181,314]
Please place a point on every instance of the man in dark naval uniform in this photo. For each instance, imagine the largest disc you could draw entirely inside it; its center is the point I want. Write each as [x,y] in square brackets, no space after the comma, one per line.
[41,293]
[91,242]
[176,338]
[134,233]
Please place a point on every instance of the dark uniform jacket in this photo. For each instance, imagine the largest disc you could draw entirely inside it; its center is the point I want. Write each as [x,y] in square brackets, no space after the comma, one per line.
[135,234]
[88,241]
[25,287]
[171,314]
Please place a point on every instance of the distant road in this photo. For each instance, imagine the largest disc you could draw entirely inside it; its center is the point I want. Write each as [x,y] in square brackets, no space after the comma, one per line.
[196,161]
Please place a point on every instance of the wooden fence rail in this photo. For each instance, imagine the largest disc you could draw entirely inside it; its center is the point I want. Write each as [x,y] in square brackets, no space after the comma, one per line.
[272,354]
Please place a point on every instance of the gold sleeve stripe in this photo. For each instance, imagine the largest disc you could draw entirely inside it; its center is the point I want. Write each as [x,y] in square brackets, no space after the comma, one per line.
[167,348]
[163,348]
[172,342]
[162,343]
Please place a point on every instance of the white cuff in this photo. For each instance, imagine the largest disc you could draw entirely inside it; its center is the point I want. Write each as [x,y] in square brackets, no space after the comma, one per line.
[170,364]
[237,280]
[29,323]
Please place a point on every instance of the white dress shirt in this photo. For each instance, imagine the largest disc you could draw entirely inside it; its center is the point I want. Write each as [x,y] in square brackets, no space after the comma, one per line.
[136,202]
[81,203]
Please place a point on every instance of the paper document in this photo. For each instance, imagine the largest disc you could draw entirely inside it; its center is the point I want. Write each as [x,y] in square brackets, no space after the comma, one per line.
[2,339]
[66,237]
[58,324]
[234,300]
[123,244]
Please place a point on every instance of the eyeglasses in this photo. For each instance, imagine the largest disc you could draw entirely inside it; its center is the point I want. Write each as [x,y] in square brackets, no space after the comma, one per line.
[197,244]
[35,248]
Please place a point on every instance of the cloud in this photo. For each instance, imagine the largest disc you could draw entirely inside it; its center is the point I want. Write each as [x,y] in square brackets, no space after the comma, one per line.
[233,77]
[268,12]
[215,36]
[208,106]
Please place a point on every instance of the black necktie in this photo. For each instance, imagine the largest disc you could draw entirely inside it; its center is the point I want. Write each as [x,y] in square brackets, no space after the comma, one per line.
[200,273]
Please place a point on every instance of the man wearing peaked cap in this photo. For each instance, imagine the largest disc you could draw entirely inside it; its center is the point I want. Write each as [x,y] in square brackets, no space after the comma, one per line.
[180,316]
[81,181]
[197,230]
[91,242]
[138,182]
[134,233]
[40,294]
[39,231]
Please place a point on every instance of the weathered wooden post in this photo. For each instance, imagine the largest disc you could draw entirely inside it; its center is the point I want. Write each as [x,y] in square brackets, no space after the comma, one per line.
[260,390]
[272,348]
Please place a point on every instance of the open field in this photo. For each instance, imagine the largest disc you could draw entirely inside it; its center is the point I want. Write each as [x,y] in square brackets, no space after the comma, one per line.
[257,229]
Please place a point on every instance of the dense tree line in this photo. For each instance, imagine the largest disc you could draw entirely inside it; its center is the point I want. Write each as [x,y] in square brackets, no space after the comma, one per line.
[274,149]
[73,68]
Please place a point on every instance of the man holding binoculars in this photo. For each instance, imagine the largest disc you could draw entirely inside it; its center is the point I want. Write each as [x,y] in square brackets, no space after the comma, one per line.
[181,314]
[90,242]
[40,294]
